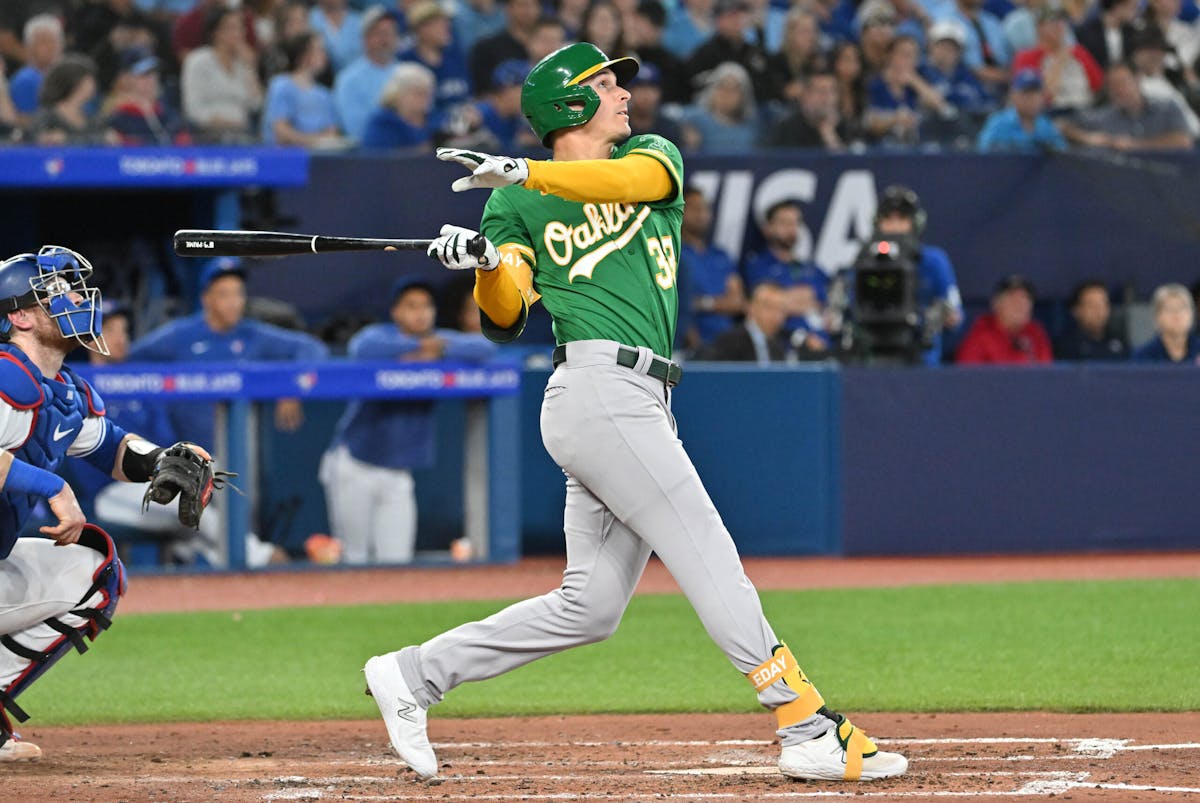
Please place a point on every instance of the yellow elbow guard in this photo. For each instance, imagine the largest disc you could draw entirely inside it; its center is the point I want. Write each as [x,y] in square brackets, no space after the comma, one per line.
[782,666]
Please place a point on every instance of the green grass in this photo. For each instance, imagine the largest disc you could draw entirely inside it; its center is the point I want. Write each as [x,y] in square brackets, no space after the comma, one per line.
[1094,646]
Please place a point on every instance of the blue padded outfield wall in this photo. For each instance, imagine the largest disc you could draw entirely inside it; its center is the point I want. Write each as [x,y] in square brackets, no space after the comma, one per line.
[869,461]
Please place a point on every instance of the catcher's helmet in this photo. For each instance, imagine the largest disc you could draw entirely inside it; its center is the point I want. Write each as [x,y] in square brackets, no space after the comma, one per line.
[553,85]
[54,277]
[900,200]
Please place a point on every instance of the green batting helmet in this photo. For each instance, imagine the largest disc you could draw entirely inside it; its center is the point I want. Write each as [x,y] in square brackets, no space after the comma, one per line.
[553,85]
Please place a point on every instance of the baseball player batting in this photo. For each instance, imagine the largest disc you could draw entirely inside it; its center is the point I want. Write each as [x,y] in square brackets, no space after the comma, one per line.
[56,591]
[594,234]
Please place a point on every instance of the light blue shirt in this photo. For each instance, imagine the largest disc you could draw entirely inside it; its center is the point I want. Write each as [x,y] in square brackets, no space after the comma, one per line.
[356,93]
[344,44]
[309,110]
[1003,132]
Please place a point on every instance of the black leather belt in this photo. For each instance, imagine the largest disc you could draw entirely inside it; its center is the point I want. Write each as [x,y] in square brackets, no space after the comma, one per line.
[664,371]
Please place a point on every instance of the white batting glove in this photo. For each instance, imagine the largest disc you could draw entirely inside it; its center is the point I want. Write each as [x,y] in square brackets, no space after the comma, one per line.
[451,250]
[486,170]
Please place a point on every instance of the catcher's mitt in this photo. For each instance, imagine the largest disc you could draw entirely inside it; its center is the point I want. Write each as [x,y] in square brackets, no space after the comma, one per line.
[182,471]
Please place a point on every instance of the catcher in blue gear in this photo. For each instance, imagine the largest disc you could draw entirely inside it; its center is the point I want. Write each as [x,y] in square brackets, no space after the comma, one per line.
[58,591]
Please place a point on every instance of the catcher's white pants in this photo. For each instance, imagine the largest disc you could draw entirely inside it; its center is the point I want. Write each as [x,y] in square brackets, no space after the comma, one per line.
[631,489]
[39,580]
[372,509]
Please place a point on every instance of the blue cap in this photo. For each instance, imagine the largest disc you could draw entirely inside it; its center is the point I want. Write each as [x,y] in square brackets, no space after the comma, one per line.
[1027,80]
[221,266]
[647,74]
[510,72]
[138,61]
[406,283]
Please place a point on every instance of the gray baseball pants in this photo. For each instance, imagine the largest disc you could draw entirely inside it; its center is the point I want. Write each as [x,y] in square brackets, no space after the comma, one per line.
[631,489]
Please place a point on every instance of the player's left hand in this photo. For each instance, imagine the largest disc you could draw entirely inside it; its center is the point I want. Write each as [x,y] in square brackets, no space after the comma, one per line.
[486,170]
[185,470]
[451,249]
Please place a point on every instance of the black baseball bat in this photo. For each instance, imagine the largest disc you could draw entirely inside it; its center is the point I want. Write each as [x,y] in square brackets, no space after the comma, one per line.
[209,243]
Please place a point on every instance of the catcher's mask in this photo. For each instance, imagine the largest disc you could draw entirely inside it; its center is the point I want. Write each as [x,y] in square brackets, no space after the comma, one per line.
[56,279]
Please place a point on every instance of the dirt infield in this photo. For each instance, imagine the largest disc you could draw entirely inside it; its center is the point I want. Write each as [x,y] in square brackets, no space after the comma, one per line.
[1018,756]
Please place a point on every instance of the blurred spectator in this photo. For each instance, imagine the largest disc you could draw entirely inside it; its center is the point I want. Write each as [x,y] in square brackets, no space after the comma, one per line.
[986,52]
[899,215]
[404,118]
[549,34]
[1020,24]
[649,21]
[357,88]
[761,338]
[107,24]
[724,118]
[1129,121]
[1107,34]
[221,92]
[290,19]
[510,43]
[570,14]
[836,19]
[500,109]
[136,110]
[689,24]
[875,41]
[43,38]
[900,98]
[191,29]
[1070,75]
[645,105]
[1182,37]
[341,28]
[909,17]
[433,47]
[298,110]
[603,27]
[220,332]
[804,283]
[728,44]
[476,19]
[133,32]
[847,64]
[801,54]
[817,123]
[9,128]
[367,471]
[1150,50]
[715,293]
[945,72]
[64,102]
[1092,335]
[1023,125]
[1174,319]
[1007,335]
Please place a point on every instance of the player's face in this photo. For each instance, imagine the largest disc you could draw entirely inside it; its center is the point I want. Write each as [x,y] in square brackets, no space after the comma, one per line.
[895,224]
[224,302]
[611,120]
[414,312]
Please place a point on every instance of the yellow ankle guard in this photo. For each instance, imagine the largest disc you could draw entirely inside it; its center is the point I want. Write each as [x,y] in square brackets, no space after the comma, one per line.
[857,746]
[782,666]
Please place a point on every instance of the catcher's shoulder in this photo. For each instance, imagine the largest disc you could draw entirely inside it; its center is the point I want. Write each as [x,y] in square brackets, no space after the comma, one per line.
[18,386]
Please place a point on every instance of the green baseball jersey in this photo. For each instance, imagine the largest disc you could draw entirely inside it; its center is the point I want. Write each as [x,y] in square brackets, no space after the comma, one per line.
[605,271]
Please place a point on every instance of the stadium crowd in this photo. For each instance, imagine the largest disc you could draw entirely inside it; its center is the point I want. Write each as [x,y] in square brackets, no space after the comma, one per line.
[720,75]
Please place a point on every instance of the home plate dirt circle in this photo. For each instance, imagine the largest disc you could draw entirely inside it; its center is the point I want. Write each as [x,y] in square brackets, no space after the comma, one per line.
[710,757]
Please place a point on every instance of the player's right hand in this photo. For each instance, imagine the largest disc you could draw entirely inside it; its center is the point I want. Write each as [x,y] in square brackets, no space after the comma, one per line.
[451,250]
[66,509]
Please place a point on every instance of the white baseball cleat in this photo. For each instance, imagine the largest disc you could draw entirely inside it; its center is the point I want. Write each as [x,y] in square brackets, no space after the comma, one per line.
[843,753]
[405,719]
[17,749]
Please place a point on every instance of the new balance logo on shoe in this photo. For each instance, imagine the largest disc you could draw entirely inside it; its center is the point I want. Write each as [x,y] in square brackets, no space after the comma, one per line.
[406,710]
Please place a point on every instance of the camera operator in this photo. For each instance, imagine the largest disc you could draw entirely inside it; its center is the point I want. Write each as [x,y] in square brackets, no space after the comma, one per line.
[936,302]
